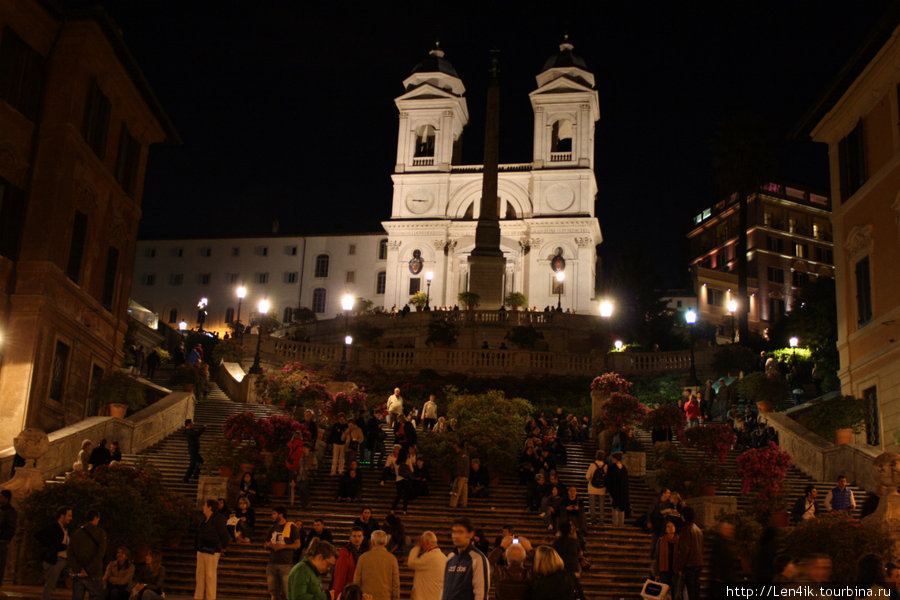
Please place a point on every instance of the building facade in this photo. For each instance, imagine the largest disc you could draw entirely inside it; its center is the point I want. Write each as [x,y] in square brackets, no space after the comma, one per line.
[546,207]
[77,119]
[789,242]
[858,120]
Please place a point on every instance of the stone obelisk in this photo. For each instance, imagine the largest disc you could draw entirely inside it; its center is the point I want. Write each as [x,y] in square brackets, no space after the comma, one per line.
[486,262]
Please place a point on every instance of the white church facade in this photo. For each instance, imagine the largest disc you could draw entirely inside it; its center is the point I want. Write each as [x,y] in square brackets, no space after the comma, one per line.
[546,217]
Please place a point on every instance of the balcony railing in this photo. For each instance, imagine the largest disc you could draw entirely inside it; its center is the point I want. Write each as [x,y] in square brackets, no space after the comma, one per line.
[425,161]
[560,156]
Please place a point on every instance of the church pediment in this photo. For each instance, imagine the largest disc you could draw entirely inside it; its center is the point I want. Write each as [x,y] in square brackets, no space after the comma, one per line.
[563,84]
[426,90]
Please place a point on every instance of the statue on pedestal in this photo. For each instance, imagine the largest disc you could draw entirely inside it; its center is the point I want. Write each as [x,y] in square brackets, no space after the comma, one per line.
[886,472]
[31,444]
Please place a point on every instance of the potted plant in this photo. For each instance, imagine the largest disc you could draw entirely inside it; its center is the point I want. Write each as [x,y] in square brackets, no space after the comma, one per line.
[747,533]
[469,299]
[193,378]
[419,300]
[762,472]
[516,300]
[121,393]
[665,420]
[690,478]
[713,440]
[248,457]
[622,411]
[220,458]
[277,473]
[837,418]
[767,393]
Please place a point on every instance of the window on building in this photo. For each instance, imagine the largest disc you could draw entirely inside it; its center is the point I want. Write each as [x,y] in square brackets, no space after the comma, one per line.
[96,120]
[262,250]
[205,278]
[229,315]
[767,219]
[76,246]
[290,277]
[714,297]
[173,315]
[722,258]
[177,252]
[800,251]
[127,161]
[262,278]
[110,277]
[150,252]
[291,250]
[234,277]
[288,315]
[12,219]
[321,266]
[60,369]
[380,281]
[863,292]
[205,251]
[799,278]
[873,424]
[176,278]
[678,304]
[852,162]
[150,279]
[776,309]
[561,136]
[235,251]
[775,275]
[424,141]
[318,303]
[93,389]
[382,249]
[415,284]
[774,244]
[21,74]
[351,277]
[351,250]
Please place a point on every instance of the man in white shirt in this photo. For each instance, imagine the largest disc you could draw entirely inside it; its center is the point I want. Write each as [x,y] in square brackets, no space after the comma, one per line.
[429,413]
[394,406]
[427,563]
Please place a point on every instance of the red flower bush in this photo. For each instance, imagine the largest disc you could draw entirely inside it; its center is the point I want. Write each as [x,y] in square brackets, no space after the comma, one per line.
[714,440]
[622,411]
[665,415]
[763,471]
[610,383]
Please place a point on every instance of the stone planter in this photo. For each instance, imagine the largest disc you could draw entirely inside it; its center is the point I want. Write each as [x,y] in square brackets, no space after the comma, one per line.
[708,508]
[708,490]
[636,463]
[210,487]
[764,406]
[598,400]
[843,436]
[118,410]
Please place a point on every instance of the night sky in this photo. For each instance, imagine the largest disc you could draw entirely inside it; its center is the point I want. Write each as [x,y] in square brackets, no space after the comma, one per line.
[287,111]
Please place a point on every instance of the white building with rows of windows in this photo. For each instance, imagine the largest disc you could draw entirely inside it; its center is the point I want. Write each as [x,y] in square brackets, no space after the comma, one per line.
[546,211]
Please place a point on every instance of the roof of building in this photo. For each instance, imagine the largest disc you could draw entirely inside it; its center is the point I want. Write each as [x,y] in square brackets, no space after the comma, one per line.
[435,62]
[565,58]
[851,71]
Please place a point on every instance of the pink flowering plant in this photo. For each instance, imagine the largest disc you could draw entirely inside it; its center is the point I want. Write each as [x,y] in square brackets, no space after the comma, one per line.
[610,383]
[623,411]
[714,440]
[665,416]
[763,471]
[287,384]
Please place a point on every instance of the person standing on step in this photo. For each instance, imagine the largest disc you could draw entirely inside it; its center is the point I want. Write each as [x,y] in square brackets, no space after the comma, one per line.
[348,556]
[152,363]
[394,407]
[212,539]
[55,540]
[282,540]
[427,563]
[87,549]
[689,557]
[596,477]
[840,497]
[338,444]
[377,571]
[406,432]
[467,575]
[8,523]
[617,486]
[429,414]
[459,492]
[309,426]
[192,433]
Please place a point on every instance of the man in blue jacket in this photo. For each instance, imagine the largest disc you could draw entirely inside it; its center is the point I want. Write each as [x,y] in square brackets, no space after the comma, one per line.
[467,575]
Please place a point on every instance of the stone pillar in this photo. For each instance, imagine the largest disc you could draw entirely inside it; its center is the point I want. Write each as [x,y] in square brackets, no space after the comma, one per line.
[211,487]
[636,463]
[708,508]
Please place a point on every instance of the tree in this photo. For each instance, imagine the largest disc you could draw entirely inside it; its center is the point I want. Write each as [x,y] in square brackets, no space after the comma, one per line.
[742,157]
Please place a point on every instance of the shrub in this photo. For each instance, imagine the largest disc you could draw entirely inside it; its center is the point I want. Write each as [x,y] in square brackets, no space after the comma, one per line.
[658,390]
[287,384]
[762,472]
[756,387]
[611,382]
[419,299]
[437,448]
[622,411]
[841,412]
[230,350]
[117,387]
[665,416]
[468,299]
[516,300]
[714,440]
[196,375]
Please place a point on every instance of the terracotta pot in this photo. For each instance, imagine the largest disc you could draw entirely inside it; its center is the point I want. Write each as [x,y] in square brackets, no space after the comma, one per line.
[780,518]
[247,467]
[188,387]
[279,488]
[226,471]
[764,406]
[843,436]
[707,490]
[118,410]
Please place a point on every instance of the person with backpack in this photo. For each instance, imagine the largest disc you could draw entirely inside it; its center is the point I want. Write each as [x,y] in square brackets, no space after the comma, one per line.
[596,477]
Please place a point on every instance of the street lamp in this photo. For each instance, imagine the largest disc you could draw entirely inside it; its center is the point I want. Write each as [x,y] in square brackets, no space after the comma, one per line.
[241,294]
[618,344]
[182,326]
[690,317]
[347,305]
[428,277]
[560,277]
[732,308]
[606,309]
[263,308]
[201,312]
[794,342]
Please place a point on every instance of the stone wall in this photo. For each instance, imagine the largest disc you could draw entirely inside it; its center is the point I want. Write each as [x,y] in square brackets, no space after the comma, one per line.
[819,458]
[139,431]
[234,381]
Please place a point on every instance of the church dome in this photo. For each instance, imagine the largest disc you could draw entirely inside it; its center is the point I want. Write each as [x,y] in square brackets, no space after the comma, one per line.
[565,58]
[435,63]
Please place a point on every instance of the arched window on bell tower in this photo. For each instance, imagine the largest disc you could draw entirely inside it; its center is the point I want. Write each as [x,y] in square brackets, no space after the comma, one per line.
[424,141]
[561,139]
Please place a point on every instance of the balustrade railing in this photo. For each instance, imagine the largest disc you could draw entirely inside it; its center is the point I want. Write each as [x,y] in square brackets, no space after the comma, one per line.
[560,156]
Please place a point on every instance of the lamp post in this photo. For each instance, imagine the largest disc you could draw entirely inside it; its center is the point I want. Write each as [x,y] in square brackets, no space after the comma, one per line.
[182,326]
[347,305]
[690,317]
[619,344]
[560,277]
[241,294]
[201,312]
[794,342]
[606,309]
[263,308]
[732,308]
[428,277]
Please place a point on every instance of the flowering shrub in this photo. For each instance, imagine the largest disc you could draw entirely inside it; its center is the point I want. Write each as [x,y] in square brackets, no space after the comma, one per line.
[611,382]
[665,415]
[279,431]
[842,538]
[714,440]
[243,427]
[346,403]
[762,471]
[287,384]
[622,411]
